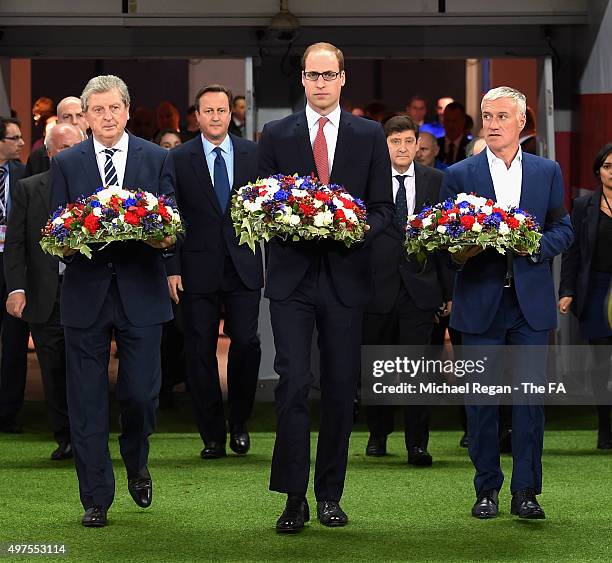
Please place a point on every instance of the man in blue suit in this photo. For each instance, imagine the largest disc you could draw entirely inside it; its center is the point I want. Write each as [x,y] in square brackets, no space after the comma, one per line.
[213,270]
[123,291]
[499,301]
[323,284]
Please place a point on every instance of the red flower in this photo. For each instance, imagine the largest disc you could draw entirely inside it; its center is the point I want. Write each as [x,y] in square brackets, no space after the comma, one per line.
[322,196]
[443,220]
[348,204]
[467,221]
[68,222]
[306,209]
[480,217]
[92,223]
[141,211]
[131,218]
[500,211]
[340,216]
[416,223]
[512,223]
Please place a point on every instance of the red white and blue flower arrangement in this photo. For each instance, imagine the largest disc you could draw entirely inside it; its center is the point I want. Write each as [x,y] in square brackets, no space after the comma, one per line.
[297,208]
[110,214]
[467,221]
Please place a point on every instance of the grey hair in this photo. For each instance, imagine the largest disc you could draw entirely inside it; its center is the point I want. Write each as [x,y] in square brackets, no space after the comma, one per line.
[58,129]
[104,83]
[507,92]
[469,148]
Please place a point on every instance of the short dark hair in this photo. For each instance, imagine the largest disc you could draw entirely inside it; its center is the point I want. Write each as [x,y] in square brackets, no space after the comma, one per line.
[237,99]
[399,124]
[212,88]
[4,122]
[455,106]
[324,47]
[163,132]
[417,97]
[601,158]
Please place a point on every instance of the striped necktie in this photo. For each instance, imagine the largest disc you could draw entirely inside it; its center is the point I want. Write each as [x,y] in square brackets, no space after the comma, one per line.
[110,172]
[3,175]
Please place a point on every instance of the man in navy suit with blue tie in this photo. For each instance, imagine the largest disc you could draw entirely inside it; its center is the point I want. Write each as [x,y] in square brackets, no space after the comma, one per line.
[499,301]
[121,290]
[212,270]
[321,283]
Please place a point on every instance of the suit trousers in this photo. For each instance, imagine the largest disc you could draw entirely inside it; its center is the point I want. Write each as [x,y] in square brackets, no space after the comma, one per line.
[50,349]
[137,389]
[14,360]
[509,327]
[405,324]
[314,302]
[202,313]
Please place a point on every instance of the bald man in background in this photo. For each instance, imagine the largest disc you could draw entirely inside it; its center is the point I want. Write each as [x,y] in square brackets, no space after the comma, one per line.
[68,111]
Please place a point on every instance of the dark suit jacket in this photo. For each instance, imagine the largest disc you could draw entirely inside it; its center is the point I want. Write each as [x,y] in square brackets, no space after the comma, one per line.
[479,284]
[460,152]
[139,269]
[234,129]
[361,164]
[26,266]
[427,284]
[38,162]
[16,172]
[210,233]
[576,265]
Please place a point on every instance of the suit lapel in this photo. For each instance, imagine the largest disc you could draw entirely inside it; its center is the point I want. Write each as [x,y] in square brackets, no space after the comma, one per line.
[479,166]
[303,146]
[90,165]
[592,219]
[200,168]
[343,146]
[134,158]
[240,165]
[43,192]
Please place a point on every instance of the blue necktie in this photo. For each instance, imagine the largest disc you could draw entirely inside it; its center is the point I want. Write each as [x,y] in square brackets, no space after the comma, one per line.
[221,179]
[110,172]
[401,204]
[3,175]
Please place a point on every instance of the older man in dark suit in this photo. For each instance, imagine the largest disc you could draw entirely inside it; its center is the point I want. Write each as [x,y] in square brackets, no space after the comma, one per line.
[213,270]
[123,291]
[323,284]
[13,364]
[33,283]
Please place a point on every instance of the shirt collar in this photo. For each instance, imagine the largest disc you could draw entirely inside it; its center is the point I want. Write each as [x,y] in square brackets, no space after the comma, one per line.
[226,145]
[494,160]
[409,172]
[312,117]
[120,145]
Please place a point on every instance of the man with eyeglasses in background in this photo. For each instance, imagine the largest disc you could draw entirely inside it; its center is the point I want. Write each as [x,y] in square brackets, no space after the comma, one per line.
[322,284]
[13,365]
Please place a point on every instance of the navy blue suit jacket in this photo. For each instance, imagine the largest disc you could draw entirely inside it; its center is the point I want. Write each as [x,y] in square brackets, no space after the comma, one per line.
[361,164]
[139,269]
[209,232]
[479,284]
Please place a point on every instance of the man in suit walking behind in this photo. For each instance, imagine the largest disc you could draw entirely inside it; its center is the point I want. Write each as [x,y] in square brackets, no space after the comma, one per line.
[213,270]
[33,284]
[121,290]
[498,301]
[323,284]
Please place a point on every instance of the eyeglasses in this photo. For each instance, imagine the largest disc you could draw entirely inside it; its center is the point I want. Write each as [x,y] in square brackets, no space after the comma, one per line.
[328,75]
[13,138]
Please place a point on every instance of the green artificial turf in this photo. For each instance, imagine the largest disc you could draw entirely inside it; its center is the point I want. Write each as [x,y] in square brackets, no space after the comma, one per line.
[222,509]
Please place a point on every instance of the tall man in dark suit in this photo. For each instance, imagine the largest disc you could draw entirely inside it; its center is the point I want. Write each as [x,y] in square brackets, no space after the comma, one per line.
[499,301]
[213,270]
[33,283]
[123,291]
[452,144]
[13,365]
[323,284]
[406,293]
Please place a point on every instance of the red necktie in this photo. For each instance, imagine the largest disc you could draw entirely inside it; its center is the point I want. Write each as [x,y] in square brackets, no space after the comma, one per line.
[319,148]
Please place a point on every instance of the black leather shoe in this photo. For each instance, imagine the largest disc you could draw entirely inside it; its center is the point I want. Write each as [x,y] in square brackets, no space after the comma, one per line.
[63,451]
[486,505]
[294,516]
[213,450]
[420,457]
[525,505]
[330,514]
[10,427]
[505,442]
[94,517]
[141,489]
[377,446]
[240,442]
[464,442]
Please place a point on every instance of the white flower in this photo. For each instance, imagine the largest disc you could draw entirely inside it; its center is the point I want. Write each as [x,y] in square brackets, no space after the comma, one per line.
[487,209]
[519,217]
[427,221]
[503,228]
[299,193]
[151,201]
[58,221]
[473,199]
[476,227]
[441,229]
[317,203]
[350,216]
[294,220]
[323,219]
[97,211]
[253,205]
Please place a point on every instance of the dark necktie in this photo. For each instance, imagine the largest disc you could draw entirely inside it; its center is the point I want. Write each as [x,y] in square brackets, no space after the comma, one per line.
[3,175]
[110,172]
[221,179]
[450,156]
[401,204]
[319,149]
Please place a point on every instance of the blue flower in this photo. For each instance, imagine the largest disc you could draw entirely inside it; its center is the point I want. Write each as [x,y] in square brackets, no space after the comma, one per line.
[95,203]
[130,201]
[281,195]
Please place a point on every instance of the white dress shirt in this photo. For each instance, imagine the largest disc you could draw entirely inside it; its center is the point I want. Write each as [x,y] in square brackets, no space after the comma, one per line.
[119,158]
[330,130]
[506,181]
[410,184]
